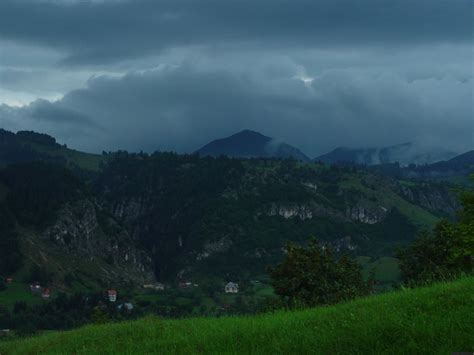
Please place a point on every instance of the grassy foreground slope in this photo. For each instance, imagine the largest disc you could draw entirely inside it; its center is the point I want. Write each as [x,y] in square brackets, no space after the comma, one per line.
[436,319]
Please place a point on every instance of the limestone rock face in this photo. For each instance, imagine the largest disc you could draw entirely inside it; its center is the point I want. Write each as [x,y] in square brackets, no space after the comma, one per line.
[303,211]
[368,215]
[358,213]
[211,248]
[80,233]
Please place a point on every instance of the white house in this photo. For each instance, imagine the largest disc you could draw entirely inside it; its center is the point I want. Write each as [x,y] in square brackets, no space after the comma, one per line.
[231,287]
[46,294]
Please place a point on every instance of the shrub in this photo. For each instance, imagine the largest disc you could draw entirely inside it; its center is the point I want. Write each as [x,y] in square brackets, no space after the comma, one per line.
[443,254]
[313,275]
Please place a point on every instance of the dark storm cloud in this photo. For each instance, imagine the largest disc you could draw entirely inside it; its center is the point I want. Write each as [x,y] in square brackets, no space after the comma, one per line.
[43,110]
[108,31]
[183,108]
[315,73]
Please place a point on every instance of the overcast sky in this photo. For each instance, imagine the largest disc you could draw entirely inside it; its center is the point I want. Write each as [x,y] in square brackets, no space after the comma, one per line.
[175,74]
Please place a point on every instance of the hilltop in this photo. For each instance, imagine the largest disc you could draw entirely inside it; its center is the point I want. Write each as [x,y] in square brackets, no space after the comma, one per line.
[251,144]
[433,320]
[28,146]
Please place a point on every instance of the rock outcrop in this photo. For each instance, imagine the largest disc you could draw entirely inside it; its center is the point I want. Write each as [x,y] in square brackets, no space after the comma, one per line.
[79,232]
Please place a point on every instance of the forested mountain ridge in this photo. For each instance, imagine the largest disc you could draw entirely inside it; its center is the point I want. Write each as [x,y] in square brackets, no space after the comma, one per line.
[175,217]
[233,217]
[28,146]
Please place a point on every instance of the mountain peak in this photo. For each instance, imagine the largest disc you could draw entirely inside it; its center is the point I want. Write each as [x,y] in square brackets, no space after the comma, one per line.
[251,144]
[249,132]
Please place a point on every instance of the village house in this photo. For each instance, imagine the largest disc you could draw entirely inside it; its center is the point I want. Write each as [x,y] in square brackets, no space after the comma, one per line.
[112,294]
[46,294]
[9,280]
[231,287]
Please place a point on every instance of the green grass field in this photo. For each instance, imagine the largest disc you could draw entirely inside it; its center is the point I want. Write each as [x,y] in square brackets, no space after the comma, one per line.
[432,320]
[18,292]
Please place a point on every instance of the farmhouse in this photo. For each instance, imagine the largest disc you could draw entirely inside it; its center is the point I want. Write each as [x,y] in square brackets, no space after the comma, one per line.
[112,295]
[231,287]
[46,294]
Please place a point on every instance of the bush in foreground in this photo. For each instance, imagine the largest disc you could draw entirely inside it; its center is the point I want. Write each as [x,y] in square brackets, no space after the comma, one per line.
[313,276]
[443,254]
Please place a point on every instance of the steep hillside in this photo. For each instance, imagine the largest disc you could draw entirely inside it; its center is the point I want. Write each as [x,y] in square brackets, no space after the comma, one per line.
[432,320]
[51,222]
[232,218]
[250,144]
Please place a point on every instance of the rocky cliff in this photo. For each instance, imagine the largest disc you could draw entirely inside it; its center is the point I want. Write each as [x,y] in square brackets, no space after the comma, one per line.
[83,231]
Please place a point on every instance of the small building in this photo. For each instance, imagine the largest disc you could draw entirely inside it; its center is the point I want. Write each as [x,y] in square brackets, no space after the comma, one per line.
[112,294]
[9,280]
[186,284]
[46,294]
[36,288]
[126,306]
[231,287]
[4,332]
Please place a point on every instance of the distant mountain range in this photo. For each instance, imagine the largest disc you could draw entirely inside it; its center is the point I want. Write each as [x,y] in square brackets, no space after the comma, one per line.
[250,144]
[404,154]
[459,166]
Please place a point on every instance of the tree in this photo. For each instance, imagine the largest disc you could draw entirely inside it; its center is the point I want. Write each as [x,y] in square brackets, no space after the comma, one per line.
[445,253]
[10,255]
[313,275]
[99,316]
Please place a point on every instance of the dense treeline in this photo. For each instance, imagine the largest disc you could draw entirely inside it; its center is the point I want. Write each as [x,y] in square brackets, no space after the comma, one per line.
[20,148]
[37,190]
[10,254]
[32,193]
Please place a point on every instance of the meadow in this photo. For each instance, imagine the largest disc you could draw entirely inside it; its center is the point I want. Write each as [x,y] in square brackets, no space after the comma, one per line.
[438,319]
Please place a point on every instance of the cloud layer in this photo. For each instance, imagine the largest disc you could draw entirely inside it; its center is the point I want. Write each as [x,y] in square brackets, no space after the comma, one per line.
[172,75]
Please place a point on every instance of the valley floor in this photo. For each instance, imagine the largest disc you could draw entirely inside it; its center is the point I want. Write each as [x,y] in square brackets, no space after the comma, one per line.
[430,320]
